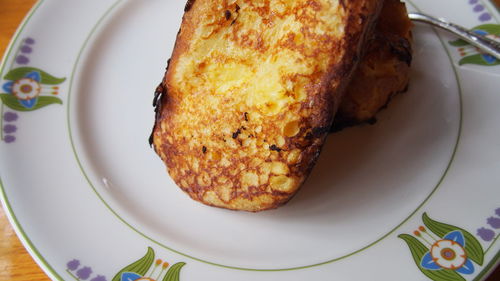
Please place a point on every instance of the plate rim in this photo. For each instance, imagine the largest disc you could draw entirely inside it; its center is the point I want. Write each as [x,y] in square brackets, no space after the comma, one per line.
[52,273]
[374,242]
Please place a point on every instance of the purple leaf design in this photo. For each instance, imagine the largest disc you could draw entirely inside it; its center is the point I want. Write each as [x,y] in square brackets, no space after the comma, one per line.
[26,49]
[22,59]
[485,17]
[10,116]
[478,8]
[486,234]
[84,273]
[497,211]
[31,41]
[9,138]
[9,129]
[74,264]
[98,278]
[472,2]
[494,222]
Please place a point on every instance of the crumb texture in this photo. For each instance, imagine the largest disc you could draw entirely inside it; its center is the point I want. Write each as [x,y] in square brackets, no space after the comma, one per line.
[250,94]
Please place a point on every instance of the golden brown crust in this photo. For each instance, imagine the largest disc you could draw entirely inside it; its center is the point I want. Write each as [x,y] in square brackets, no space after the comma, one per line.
[251,92]
[383,71]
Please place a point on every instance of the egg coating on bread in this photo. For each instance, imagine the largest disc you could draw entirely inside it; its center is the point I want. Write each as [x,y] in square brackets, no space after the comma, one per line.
[251,92]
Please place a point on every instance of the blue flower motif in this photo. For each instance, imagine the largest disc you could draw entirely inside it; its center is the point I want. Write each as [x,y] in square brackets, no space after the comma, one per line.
[448,253]
[489,59]
[7,86]
[129,276]
[25,89]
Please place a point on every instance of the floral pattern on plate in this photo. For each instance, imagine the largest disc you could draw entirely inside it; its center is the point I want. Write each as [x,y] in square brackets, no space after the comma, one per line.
[446,252]
[470,54]
[144,269]
[25,88]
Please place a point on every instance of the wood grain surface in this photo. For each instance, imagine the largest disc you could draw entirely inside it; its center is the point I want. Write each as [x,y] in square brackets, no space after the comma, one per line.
[15,262]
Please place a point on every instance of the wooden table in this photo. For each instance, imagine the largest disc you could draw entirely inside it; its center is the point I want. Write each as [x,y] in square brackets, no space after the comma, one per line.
[15,262]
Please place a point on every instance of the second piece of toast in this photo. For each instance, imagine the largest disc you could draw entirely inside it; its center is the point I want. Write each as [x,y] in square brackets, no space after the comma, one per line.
[383,71]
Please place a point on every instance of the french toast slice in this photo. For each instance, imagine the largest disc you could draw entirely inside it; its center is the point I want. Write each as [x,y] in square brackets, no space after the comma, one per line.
[383,71]
[250,94]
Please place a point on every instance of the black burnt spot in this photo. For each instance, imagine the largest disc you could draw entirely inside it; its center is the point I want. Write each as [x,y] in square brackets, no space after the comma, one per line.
[245,115]
[236,134]
[227,14]
[275,148]
[204,149]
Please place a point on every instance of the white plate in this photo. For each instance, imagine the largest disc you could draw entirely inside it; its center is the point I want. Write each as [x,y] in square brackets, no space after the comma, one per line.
[88,196]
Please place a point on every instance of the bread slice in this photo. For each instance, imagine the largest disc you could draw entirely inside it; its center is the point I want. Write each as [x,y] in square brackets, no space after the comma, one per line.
[383,71]
[251,92]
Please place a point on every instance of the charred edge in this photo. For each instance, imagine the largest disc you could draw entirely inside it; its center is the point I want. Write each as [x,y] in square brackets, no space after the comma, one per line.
[344,124]
[403,50]
[168,62]
[339,125]
[372,121]
[275,148]
[188,6]
[319,131]
[158,92]
[157,102]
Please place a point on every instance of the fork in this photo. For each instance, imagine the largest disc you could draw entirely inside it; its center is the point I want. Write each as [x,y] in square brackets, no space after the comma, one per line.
[484,43]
